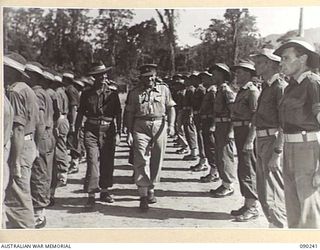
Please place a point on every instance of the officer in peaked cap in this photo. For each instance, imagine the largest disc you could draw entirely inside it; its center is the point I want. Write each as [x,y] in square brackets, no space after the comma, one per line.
[148,105]
[224,137]
[243,109]
[101,106]
[269,140]
[18,200]
[41,172]
[299,120]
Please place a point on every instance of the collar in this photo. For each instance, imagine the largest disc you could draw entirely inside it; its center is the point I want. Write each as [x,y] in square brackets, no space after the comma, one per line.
[36,87]
[273,79]
[212,88]
[302,76]
[247,85]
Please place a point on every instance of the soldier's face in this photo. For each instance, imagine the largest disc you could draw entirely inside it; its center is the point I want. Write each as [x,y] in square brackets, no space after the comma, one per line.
[242,76]
[290,63]
[207,81]
[147,80]
[261,64]
[217,77]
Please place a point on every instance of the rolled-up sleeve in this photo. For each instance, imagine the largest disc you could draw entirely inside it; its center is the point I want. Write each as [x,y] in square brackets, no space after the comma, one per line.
[19,108]
[253,100]
[169,100]
[314,95]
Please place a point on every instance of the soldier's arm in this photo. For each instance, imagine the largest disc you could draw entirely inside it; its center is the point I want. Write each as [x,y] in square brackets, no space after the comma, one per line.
[40,127]
[16,148]
[118,114]
[80,114]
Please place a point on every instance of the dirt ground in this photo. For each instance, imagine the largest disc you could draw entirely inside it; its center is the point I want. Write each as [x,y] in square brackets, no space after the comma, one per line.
[183,202]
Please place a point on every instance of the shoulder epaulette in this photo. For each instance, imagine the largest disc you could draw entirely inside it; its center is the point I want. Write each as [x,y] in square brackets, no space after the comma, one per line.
[17,86]
[313,77]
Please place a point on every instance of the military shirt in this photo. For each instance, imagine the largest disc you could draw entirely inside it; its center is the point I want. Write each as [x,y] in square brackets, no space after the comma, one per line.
[100,103]
[7,120]
[207,106]
[63,100]
[45,104]
[187,101]
[267,114]
[180,98]
[73,95]
[224,98]
[198,96]
[246,103]
[150,102]
[25,107]
[300,104]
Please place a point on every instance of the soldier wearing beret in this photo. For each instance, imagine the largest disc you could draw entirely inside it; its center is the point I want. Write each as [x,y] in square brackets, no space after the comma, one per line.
[299,120]
[148,105]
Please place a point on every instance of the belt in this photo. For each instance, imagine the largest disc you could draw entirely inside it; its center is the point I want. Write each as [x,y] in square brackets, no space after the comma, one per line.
[206,116]
[28,137]
[240,123]
[303,136]
[150,118]
[267,132]
[104,121]
[222,119]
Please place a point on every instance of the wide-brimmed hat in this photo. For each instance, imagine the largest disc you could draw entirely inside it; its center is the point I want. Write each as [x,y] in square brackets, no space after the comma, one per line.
[58,77]
[87,80]
[98,68]
[269,53]
[48,74]
[244,64]
[34,67]
[148,69]
[314,57]
[204,73]
[221,67]
[68,74]
[15,61]
[79,82]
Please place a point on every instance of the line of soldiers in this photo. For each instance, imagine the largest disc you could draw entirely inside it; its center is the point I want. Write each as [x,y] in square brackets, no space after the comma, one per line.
[274,129]
[42,126]
[272,122]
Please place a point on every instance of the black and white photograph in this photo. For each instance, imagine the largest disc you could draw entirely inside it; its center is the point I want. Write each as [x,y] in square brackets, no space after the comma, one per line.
[190,118]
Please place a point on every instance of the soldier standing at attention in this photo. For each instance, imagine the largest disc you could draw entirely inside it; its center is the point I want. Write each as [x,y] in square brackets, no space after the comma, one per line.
[18,200]
[147,107]
[299,120]
[101,106]
[41,171]
[269,141]
[243,109]
[224,137]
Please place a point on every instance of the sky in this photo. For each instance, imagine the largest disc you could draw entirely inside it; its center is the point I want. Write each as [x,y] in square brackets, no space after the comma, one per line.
[273,20]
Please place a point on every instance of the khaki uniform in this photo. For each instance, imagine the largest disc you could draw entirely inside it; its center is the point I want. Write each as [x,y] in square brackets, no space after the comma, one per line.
[149,106]
[298,109]
[266,120]
[18,201]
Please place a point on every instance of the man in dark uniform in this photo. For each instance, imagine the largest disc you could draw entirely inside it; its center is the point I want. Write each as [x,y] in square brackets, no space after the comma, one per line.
[243,109]
[299,119]
[101,106]
[224,137]
[208,126]
[18,201]
[269,141]
[62,130]
[147,107]
[42,166]
[74,100]
[197,99]
[188,123]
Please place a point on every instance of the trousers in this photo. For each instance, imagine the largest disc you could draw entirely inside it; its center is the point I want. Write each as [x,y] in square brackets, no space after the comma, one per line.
[148,159]
[209,145]
[246,165]
[99,141]
[270,184]
[301,198]
[225,154]
[179,129]
[18,201]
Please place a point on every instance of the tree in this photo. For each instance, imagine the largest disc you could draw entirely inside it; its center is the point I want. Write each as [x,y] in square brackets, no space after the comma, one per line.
[168,21]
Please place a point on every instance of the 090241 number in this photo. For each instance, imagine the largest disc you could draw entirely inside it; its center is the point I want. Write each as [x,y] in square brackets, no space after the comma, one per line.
[308,246]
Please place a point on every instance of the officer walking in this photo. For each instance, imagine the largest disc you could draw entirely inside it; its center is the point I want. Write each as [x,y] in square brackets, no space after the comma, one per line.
[269,141]
[224,136]
[101,106]
[243,109]
[147,107]
[18,201]
[299,120]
